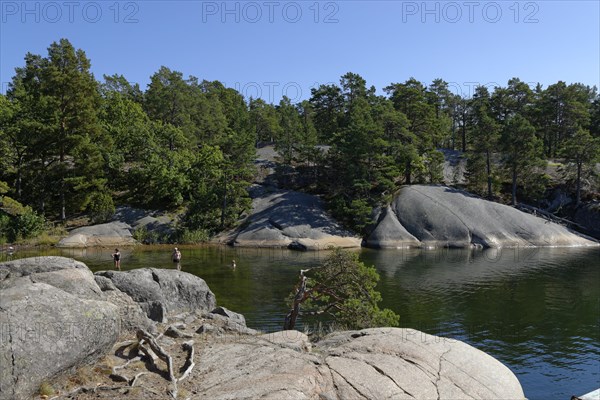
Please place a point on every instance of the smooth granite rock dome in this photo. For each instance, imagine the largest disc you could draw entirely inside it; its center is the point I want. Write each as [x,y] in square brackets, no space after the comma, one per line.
[438,216]
[291,219]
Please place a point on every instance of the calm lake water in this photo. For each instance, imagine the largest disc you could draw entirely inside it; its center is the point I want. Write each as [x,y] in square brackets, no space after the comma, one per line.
[536,310]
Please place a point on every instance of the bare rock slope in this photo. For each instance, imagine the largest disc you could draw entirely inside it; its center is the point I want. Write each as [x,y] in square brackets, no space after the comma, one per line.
[438,216]
[291,219]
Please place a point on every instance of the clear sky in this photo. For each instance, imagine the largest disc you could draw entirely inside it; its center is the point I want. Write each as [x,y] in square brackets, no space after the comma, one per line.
[271,48]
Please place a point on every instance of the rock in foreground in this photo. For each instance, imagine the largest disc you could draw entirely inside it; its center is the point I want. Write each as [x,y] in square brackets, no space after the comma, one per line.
[52,318]
[160,292]
[383,363]
[56,315]
[438,216]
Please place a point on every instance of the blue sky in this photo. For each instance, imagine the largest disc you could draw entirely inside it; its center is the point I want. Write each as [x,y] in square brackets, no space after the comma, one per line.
[271,48]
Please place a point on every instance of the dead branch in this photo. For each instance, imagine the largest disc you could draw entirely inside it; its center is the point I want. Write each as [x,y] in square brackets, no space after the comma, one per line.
[144,336]
[189,362]
[135,378]
[163,355]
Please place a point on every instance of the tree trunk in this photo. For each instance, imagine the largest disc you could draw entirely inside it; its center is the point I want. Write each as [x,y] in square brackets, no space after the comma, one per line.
[514,186]
[290,318]
[407,174]
[224,207]
[63,213]
[464,136]
[489,174]
[578,200]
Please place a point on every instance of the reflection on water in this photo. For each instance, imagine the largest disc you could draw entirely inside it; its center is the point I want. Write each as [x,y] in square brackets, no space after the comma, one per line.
[536,310]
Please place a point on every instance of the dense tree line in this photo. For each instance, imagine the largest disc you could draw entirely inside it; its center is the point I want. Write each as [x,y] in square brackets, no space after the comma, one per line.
[72,144]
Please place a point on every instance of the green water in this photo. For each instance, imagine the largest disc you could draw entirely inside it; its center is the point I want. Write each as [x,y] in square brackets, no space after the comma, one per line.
[536,310]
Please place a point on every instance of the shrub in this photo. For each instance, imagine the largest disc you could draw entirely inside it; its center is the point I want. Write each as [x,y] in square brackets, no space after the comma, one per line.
[4,227]
[26,225]
[143,235]
[188,236]
[101,207]
[344,288]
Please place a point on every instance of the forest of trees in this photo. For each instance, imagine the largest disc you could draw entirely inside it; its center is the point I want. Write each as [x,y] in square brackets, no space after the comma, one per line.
[71,144]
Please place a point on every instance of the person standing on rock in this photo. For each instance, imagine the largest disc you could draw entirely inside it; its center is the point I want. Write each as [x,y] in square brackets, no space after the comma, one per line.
[117,259]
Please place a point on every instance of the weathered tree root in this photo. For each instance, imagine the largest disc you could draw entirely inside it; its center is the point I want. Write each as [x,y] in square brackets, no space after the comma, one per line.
[149,346]
[155,348]
[119,377]
[189,362]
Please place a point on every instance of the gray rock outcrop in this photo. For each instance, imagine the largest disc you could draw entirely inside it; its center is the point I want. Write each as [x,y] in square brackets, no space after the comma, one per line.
[438,216]
[112,234]
[369,364]
[52,318]
[291,219]
[156,224]
[160,291]
[389,232]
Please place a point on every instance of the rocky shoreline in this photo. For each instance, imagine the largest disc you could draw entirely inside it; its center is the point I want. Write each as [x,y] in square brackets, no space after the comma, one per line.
[420,216]
[78,333]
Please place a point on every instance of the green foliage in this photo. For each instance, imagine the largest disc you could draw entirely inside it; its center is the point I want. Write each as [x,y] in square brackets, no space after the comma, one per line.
[187,236]
[434,166]
[11,206]
[264,121]
[26,225]
[16,220]
[485,134]
[145,236]
[360,214]
[291,131]
[55,129]
[70,143]
[522,150]
[4,227]
[344,288]
[101,207]
[583,151]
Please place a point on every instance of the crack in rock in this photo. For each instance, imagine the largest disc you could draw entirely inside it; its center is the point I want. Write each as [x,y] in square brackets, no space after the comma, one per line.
[466,373]
[439,372]
[349,384]
[376,368]
[417,365]
[15,377]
